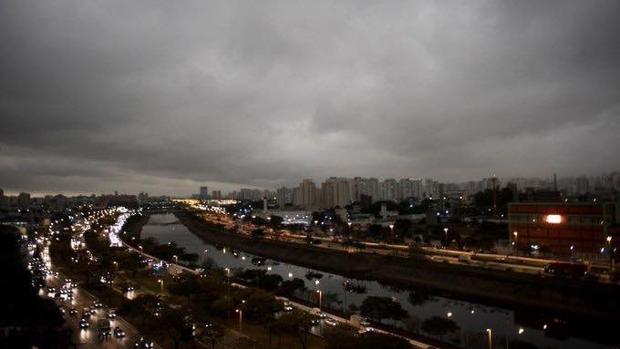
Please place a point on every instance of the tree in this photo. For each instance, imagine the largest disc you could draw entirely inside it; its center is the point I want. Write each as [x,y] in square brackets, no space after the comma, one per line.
[213,334]
[258,233]
[271,282]
[402,229]
[379,308]
[144,304]
[129,262]
[262,306]
[289,286]
[185,287]
[39,319]
[173,323]
[295,322]
[419,296]
[276,221]
[439,326]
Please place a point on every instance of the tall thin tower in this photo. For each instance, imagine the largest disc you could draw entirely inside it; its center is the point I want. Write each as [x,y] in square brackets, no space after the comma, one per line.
[494,181]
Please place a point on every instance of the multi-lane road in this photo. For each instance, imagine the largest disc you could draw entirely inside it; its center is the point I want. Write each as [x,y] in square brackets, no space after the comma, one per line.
[90,337]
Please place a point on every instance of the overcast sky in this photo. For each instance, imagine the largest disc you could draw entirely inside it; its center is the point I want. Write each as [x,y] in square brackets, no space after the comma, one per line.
[163,96]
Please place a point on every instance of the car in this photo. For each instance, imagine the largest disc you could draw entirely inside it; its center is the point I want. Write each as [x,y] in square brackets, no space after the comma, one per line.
[103,325]
[97,305]
[287,307]
[118,332]
[73,312]
[144,343]
[112,314]
[129,289]
[330,321]
[84,324]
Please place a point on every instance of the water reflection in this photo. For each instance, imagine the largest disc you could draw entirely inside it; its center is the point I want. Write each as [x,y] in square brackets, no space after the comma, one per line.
[344,294]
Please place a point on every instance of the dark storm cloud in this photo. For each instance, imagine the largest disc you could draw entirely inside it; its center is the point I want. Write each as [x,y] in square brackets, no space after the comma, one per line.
[161,96]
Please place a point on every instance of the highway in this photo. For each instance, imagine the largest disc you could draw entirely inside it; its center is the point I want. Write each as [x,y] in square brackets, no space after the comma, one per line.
[86,338]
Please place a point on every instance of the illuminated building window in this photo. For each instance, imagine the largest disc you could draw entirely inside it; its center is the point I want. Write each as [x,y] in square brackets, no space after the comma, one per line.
[553,219]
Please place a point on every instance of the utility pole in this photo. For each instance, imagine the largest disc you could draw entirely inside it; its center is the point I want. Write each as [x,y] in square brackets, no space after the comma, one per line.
[494,181]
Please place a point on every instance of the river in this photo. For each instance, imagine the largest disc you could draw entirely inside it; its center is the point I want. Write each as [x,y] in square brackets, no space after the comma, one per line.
[472,318]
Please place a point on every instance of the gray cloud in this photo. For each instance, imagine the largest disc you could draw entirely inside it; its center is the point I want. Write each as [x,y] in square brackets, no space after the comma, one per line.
[162,96]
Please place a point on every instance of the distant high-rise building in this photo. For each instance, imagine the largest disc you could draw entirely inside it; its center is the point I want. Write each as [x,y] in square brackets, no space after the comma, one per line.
[204,193]
[216,195]
[306,195]
[416,188]
[365,187]
[389,190]
[143,197]
[247,194]
[4,201]
[405,188]
[582,185]
[284,196]
[23,200]
[337,192]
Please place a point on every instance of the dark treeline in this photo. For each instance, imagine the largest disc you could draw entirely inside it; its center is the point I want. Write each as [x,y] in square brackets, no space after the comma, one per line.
[26,320]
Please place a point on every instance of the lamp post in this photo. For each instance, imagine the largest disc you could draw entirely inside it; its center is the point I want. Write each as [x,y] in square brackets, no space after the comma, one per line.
[317,282]
[490,337]
[610,252]
[240,312]
[445,230]
[516,240]
[161,284]
[227,281]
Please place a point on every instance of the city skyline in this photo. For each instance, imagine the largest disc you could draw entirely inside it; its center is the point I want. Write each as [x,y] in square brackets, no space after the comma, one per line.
[103,97]
[205,189]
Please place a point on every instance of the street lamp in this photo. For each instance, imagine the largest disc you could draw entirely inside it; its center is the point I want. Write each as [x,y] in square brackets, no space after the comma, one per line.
[516,237]
[611,264]
[320,299]
[161,284]
[445,230]
[240,312]
[490,337]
